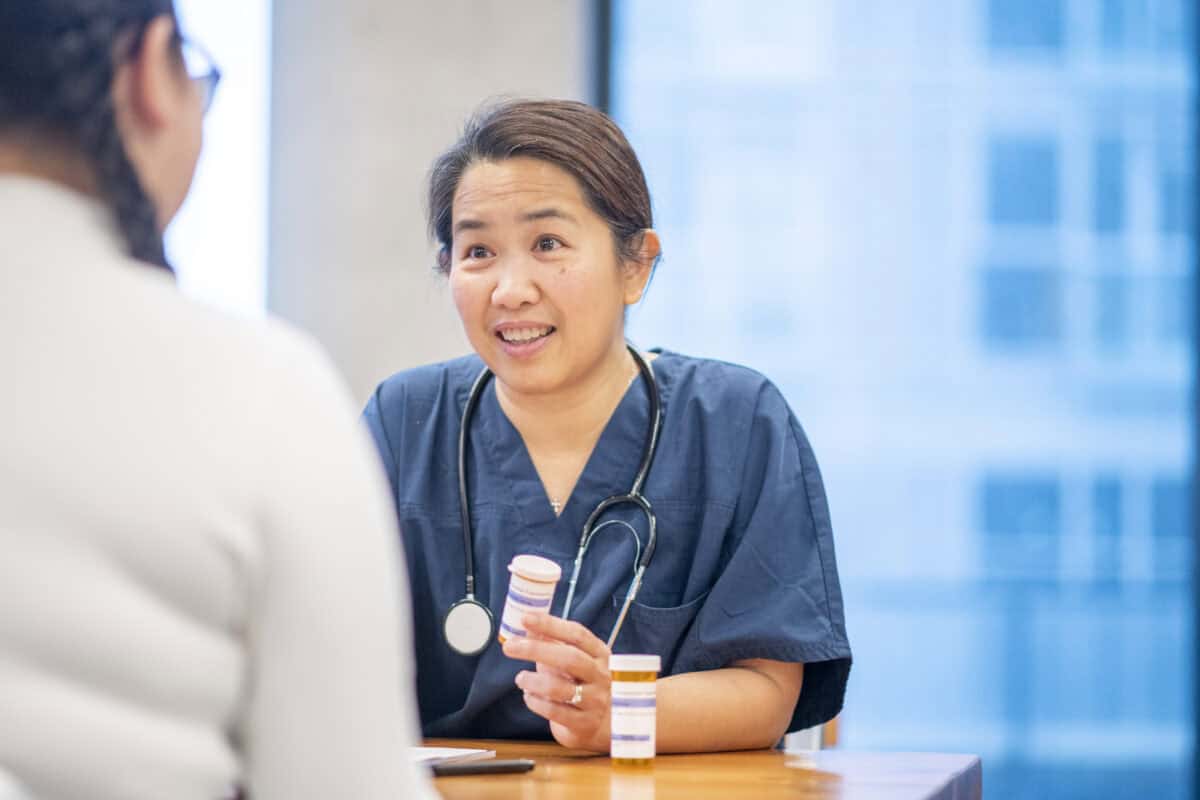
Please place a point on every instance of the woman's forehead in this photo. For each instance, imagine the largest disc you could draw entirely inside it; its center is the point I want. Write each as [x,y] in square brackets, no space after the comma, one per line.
[515,186]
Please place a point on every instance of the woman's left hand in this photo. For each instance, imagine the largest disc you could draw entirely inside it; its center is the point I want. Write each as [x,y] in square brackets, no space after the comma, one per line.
[567,655]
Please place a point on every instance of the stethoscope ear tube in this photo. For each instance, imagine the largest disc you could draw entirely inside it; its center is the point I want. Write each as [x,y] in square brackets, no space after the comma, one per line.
[651,538]
[463,498]
[634,585]
[651,445]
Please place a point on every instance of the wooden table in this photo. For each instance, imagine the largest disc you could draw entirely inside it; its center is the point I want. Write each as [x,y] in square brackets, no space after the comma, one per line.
[563,774]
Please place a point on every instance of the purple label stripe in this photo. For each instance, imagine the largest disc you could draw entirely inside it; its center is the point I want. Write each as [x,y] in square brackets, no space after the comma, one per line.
[631,737]
[513,631]
[633,702]
[532,602]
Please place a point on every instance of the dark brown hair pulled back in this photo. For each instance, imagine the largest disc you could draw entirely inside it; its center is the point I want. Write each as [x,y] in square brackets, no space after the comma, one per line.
[57,63]
[573,136]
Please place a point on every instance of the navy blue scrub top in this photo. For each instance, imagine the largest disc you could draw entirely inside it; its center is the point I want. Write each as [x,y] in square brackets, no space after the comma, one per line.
[744,565]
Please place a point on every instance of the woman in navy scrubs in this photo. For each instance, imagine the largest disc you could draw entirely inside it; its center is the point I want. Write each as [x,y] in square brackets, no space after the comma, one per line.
[543,218]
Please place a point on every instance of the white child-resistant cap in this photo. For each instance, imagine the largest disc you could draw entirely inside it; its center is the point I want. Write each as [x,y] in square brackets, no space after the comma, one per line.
[536,568]
[634,663]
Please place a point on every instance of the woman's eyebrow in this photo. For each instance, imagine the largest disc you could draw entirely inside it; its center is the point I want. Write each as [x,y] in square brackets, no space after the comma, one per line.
[548,213]
[469,225]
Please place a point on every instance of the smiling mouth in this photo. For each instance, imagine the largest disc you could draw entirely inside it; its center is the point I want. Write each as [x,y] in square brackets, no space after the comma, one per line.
[524,335]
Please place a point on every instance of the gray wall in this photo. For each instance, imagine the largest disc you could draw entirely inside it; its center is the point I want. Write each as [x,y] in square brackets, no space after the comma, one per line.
[364,95]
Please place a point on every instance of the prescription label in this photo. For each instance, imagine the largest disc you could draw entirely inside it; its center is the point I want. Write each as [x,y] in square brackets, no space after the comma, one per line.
[634,714]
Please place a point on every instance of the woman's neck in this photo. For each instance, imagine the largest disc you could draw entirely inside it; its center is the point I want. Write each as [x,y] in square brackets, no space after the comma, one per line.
[20,156]
[572,418]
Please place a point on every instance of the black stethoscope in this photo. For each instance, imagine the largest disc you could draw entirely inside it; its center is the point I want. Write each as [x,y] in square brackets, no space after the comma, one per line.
[469,624]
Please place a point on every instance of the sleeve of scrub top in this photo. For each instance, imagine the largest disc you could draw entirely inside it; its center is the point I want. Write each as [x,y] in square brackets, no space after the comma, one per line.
[331,700]
[372,416]
[778,595]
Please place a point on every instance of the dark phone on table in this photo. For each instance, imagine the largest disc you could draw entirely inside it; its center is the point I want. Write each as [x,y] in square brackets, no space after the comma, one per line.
[483,767]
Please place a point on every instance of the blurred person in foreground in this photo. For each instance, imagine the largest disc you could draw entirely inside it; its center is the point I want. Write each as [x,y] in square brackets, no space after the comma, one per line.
[192,595]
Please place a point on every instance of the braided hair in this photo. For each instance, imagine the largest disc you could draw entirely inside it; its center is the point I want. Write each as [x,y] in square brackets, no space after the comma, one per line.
[57,63]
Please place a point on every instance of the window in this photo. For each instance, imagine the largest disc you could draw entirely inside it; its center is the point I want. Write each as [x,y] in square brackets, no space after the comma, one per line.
[1174,206]
[218,241]
[1020,505]
[1111,320]
[1108,508]
[1025,25]
[1169,521]
[1174,309]
[1112,24]
[1169,508]
[1108,189]
[1147,27]
[1021,518]
[1176,27]
[1022,181]
[1022,307]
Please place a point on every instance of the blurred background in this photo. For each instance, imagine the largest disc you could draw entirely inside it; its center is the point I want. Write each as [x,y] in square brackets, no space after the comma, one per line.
[959,234]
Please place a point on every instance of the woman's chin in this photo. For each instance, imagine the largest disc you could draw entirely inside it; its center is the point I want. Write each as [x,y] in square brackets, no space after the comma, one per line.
[526,382]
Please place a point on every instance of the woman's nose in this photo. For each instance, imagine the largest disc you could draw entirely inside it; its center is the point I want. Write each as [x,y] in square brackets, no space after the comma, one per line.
[515,285]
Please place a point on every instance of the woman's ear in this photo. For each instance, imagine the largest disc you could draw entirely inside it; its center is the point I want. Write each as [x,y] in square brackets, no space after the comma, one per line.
[146,87]
[159,113]
[639,269]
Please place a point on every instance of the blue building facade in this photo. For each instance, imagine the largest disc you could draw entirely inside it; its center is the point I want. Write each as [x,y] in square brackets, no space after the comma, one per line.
[958,235]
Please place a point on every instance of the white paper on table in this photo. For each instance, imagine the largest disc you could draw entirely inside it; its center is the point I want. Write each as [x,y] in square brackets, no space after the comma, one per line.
[446,755]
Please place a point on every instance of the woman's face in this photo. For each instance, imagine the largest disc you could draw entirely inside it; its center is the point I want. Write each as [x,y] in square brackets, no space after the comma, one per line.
[535,275]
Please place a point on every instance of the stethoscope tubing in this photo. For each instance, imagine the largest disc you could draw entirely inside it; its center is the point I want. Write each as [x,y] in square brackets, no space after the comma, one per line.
[634,496]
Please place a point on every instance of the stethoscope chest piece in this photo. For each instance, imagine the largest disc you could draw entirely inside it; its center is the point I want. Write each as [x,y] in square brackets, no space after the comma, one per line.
[468,626]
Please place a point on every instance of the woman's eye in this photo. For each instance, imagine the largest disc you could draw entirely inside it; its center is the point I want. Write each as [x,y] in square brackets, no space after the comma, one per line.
[548,243]
[477,251]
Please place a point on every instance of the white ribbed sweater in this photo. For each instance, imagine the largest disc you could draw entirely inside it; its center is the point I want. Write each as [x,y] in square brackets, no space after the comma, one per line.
[198,560]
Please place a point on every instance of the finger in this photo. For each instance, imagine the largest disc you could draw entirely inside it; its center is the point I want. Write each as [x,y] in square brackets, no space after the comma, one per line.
[561,713]
[571,660]
[552,687]
[549,670]
[563,630]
